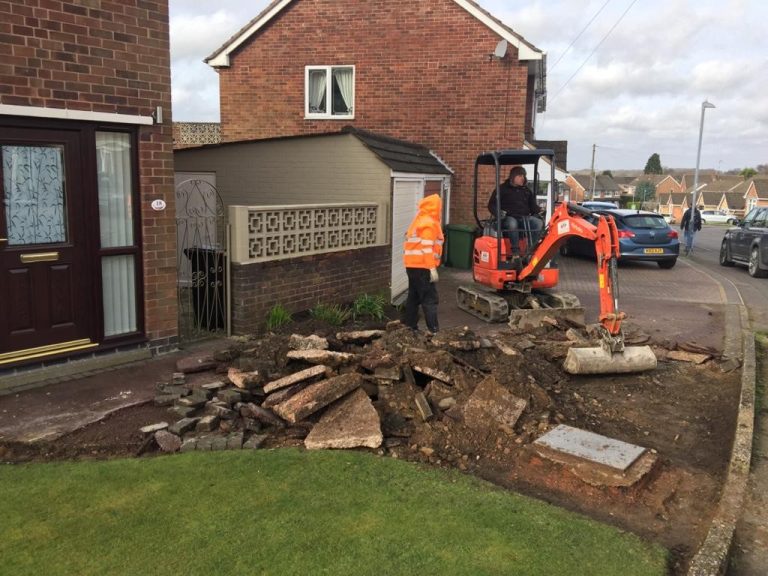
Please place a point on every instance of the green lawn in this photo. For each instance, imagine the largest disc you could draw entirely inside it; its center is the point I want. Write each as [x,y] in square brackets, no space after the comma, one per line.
[291,512]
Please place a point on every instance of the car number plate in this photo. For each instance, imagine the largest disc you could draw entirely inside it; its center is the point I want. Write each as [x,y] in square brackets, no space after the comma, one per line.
[654,251]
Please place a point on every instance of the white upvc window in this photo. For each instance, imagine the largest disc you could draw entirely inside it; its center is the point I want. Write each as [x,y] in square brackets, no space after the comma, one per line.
[329,92]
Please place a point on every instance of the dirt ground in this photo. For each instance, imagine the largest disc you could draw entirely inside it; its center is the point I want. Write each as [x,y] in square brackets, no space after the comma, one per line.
[683,411]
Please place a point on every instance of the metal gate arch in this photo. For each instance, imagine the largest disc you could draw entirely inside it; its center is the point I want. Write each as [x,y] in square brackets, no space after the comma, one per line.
[201,260]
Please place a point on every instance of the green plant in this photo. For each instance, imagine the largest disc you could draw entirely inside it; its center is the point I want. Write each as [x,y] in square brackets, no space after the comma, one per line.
[369,305]
[278,316]
[333,314]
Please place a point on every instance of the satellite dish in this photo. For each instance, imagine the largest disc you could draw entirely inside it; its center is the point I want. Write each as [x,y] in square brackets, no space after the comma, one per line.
[501,49]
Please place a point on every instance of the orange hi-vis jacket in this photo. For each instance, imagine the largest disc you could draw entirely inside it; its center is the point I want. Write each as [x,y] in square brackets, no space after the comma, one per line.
[424,238]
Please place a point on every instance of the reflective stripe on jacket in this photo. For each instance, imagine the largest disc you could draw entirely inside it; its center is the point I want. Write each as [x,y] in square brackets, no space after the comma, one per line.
[424,239]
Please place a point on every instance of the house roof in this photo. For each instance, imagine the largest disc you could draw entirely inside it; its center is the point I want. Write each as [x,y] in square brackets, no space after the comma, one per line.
[399,155]
[220,58]
[711,198]
[602,182]
[735,200]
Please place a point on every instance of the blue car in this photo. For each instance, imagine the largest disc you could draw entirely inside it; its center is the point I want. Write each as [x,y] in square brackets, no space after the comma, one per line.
[643,236]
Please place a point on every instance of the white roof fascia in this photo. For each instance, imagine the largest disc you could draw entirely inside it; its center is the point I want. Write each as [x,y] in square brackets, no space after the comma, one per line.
[524,52]
[222,59]
[66,114]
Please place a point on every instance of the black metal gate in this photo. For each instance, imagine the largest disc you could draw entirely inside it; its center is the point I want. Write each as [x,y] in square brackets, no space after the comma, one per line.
[201,258]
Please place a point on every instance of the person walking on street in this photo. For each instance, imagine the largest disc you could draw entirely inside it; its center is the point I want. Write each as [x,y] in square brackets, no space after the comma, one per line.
[519,209]
[421,256]
[689,228]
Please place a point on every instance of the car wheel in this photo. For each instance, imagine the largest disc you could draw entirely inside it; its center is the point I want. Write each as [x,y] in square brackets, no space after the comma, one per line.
[754,264]
[725,259]
[667,264]
[565,250]
[703,221]
[732,221]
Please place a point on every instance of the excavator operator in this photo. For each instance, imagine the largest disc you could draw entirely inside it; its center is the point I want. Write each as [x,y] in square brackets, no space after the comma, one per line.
[519,209]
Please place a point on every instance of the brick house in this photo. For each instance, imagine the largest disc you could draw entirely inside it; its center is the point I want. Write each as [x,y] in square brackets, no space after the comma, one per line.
[88,264]
[426,72]
[583,188]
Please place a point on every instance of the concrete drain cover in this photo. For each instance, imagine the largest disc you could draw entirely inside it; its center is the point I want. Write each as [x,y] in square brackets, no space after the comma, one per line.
[593,447]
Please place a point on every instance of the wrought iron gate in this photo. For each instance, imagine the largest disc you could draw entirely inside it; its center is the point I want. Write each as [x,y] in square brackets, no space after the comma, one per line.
[201,259]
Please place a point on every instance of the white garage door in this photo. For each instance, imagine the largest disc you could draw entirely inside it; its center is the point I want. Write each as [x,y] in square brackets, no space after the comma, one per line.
[405,204]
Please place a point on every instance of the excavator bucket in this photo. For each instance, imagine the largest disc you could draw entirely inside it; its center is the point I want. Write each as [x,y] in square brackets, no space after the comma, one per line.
[600,360]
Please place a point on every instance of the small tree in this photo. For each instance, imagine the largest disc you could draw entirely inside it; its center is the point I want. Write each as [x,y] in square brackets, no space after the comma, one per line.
[653,166]
[607,173]
[747,173]
[645,192]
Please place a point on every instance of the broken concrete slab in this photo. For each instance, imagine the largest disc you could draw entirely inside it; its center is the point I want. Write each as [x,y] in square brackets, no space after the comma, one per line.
[683,356]
[245,380]
[492,405]
[325,357]
[423,406]
[317,396]
[596,459]
[506,350]
[182,426]
[359,336]
[433,373]
[282,395]
[311,342]
[393,373]
[152,428]
[350,422]
[292,379]
[207,423]
[168,442]
[197,363]
[265,416]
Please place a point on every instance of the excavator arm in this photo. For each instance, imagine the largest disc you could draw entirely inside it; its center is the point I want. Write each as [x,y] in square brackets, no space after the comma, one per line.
[568,221]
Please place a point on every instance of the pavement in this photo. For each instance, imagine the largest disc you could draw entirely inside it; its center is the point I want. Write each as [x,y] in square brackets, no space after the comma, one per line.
[704,313]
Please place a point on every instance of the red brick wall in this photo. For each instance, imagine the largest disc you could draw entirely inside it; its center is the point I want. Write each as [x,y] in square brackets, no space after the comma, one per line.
[114,57]
[422,74]
[299,284]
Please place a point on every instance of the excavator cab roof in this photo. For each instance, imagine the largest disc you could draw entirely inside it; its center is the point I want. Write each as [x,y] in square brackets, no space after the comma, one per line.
[511,157]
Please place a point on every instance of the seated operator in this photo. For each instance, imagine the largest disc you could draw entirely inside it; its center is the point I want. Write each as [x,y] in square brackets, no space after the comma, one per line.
[519,209]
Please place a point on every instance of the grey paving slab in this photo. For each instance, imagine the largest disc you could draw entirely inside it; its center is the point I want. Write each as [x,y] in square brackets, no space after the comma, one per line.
[593,447]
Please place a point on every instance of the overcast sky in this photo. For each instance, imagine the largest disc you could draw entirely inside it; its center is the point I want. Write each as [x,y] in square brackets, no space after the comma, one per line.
[626,75]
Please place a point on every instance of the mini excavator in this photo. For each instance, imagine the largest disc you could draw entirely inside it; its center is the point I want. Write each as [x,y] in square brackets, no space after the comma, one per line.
[513,289]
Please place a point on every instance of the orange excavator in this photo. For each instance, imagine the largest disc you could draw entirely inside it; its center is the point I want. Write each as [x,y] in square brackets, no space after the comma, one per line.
[518,289]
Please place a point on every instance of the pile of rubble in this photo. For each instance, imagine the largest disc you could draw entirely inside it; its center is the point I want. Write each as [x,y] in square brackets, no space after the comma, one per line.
[450,399]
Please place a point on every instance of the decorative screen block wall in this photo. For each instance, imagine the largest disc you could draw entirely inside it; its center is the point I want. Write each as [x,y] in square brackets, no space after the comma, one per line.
[264,233]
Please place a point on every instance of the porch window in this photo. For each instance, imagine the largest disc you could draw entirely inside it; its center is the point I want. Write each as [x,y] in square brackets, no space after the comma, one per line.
[119,251]
[329,92]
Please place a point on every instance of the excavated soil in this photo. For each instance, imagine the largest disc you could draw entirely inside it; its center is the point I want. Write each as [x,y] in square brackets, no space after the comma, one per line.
[685,412]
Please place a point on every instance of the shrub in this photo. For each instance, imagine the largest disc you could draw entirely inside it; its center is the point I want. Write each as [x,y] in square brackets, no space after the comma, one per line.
[332,314]
[278,316]
[367,305]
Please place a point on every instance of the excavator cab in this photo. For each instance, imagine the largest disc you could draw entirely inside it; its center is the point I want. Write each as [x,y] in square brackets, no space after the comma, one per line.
[493,262]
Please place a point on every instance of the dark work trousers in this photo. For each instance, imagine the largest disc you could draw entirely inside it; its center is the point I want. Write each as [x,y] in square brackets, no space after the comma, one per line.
[421,292]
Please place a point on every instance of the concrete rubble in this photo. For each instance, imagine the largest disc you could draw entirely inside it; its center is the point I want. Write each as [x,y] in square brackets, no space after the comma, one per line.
[394,390]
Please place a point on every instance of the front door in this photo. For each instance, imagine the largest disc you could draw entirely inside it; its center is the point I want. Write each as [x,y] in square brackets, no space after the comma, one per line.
[45,304]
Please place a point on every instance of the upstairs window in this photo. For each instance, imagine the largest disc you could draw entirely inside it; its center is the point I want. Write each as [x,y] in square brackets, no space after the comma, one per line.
[329,91]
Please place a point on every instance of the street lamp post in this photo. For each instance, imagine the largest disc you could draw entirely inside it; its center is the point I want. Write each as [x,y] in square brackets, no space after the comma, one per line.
[691,227]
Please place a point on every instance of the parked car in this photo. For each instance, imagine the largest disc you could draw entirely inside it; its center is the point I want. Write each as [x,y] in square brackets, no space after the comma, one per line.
[643,236]
[747,243]
[717,217]
[595,205]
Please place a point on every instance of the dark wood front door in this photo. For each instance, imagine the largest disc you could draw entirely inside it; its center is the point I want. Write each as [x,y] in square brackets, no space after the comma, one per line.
[45,303]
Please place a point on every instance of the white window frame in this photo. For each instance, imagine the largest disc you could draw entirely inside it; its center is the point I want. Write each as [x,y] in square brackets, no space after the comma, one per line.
[328,94]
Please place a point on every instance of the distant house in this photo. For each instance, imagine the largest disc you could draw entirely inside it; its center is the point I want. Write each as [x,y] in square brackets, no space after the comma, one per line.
[662,183]
[443,73]
[87,258]
[672,204]
[584,187]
